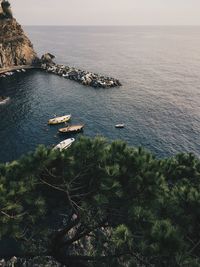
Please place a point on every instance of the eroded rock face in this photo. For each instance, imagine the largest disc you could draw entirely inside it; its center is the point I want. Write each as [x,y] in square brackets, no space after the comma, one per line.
[15,47]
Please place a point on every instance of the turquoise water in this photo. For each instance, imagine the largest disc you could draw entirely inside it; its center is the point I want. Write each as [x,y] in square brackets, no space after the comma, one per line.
[159,101]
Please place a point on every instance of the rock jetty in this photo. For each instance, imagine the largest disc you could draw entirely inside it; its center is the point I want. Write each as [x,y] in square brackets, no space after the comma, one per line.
[84,77]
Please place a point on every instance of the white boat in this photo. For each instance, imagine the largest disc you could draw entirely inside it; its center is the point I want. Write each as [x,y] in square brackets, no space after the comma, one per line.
[120,125]
[59,120]
[64,144]
[4,100]
[9,73]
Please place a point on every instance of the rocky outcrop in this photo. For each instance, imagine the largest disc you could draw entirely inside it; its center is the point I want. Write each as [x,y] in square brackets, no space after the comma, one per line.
[47,58]
[15,47]
[5,10]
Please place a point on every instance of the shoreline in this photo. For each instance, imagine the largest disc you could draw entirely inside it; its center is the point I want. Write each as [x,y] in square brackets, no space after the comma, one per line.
[83,77]
[14,68]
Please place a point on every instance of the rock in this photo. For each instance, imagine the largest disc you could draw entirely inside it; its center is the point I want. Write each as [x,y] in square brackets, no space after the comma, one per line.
[47,58]
[5,10]
[15,47]
[13,261]
[2,263]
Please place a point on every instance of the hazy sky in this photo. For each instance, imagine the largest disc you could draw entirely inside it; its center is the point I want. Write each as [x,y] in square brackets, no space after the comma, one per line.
[107,12]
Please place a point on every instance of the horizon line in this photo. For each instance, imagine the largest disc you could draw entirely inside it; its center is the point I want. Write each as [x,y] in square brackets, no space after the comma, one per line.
[99,25]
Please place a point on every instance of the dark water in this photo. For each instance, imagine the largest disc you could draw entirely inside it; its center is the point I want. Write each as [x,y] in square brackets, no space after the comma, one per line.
[159,101]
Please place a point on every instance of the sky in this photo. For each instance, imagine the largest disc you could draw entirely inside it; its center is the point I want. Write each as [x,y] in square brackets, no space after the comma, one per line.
[107,12]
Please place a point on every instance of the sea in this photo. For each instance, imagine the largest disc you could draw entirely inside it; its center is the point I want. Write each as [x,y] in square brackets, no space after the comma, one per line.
[159,102]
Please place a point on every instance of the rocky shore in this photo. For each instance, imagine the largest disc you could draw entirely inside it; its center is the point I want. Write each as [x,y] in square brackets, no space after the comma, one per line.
[84,77]
[34,262]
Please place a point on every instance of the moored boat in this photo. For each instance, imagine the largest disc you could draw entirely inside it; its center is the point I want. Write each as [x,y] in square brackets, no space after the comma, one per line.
[4,100]
[120,125]
[72,128]
[64,144]
[59,120]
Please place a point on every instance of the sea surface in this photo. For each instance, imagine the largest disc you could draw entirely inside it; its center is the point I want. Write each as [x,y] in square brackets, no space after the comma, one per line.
[159,101]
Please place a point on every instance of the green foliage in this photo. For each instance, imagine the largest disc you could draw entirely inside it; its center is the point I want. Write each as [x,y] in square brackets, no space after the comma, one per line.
[105,204]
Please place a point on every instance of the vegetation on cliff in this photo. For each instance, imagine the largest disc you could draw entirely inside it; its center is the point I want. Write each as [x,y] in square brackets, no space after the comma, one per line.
[103,204]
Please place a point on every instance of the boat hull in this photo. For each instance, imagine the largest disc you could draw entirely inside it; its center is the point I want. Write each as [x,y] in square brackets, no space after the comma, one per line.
[72,129]
[59,120]
[64,144]
[4,101]
[119,126]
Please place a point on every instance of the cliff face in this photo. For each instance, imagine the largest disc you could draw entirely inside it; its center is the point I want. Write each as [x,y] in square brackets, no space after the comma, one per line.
[15,47]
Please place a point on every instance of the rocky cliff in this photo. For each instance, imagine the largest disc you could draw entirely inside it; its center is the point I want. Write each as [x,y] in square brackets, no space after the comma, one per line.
[15,47]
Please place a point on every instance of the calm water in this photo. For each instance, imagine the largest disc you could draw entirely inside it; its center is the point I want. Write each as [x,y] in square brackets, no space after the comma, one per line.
[159,101]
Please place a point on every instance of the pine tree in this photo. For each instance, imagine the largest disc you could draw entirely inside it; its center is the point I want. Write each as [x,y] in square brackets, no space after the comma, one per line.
[105,204]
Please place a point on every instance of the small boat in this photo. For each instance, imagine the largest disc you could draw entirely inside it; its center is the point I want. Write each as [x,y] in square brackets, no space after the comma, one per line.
[64,144]
[120,126]
[72,129]
[9,73]
[58,120]
[4,100]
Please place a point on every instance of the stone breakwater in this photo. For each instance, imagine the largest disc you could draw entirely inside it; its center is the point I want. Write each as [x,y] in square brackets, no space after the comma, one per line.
[84,77]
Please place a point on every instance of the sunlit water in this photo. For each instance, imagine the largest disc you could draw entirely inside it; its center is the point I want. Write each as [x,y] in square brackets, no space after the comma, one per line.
[159,101]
